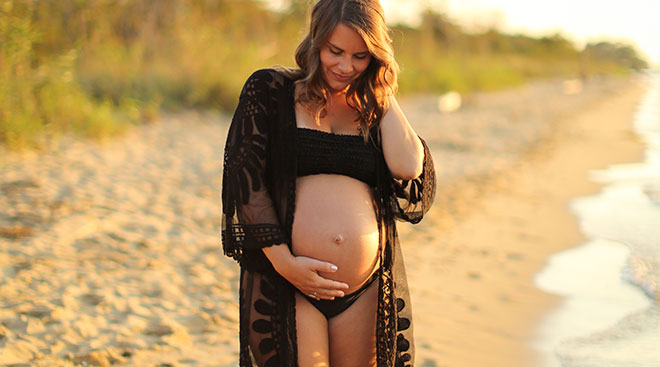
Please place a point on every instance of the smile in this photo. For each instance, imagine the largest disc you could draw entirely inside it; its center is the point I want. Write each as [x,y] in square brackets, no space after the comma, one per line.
[340,77]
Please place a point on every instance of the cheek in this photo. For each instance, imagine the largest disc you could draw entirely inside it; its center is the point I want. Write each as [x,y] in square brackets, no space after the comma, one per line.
[361,65]
[326,58]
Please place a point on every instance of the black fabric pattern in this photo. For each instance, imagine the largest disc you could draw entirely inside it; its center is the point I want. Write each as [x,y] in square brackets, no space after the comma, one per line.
[258,198]
[412,198]
[322,152]
[249,217]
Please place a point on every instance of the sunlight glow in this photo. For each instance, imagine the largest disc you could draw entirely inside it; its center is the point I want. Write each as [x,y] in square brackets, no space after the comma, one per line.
[583,21]
[634,21]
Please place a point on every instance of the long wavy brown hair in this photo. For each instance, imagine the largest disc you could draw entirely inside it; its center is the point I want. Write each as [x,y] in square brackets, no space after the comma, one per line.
[368,94]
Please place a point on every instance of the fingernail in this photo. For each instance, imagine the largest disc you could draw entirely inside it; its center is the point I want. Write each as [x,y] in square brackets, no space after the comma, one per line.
[333,267]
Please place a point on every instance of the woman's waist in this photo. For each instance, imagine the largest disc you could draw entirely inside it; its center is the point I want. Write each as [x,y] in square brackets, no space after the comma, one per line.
[336,234]
[334,221]
[328,185]
[334,201]
[354,255]
[333,238]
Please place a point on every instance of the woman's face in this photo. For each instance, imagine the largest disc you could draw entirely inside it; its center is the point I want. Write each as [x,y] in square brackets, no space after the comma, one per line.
[343,57]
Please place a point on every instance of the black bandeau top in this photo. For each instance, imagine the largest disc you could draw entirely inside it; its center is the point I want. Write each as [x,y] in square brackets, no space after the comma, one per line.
[343,154]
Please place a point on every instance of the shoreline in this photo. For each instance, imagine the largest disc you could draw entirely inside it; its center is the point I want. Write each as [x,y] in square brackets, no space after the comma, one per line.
[490,308]
[595,298]
[609,316]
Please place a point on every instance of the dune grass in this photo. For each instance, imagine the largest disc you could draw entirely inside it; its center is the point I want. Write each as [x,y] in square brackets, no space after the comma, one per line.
[94,68]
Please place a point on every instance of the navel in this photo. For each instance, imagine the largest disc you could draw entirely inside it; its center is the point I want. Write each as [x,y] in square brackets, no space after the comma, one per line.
[339,239]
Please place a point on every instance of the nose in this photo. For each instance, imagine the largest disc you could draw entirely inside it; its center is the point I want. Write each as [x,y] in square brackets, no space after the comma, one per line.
[345,65]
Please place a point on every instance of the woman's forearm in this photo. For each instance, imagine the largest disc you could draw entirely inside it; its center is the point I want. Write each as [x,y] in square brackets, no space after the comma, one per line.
[403,151]
[302,272]
[279,255]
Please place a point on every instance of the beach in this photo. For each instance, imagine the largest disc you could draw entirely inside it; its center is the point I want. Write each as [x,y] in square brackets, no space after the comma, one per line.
[482,306]
[110,252]
[610,284]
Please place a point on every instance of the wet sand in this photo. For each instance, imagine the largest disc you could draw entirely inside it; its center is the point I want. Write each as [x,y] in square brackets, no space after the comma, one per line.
[110,253]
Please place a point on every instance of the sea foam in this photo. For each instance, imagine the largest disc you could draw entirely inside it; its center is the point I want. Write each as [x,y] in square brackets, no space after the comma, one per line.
[611,313]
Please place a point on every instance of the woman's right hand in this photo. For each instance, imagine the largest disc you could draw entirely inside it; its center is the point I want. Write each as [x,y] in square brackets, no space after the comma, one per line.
[302,273]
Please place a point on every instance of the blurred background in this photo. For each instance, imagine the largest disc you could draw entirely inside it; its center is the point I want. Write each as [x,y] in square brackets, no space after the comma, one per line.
[113,118]
[92,67]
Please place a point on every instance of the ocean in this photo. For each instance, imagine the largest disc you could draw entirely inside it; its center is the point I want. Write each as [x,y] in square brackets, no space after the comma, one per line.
[610,313]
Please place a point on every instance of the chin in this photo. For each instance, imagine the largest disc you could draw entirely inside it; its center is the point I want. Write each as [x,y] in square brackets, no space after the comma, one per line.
[335,85]
[339,88]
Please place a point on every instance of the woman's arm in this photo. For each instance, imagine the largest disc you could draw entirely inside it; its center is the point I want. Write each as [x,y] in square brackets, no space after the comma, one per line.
[249,218]
[403,151]
[302,272]
[409,161]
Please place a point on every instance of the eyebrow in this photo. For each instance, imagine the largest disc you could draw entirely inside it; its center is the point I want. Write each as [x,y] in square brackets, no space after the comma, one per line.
[341,49]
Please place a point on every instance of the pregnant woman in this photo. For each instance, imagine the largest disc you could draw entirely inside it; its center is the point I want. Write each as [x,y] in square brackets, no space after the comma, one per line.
[319,162]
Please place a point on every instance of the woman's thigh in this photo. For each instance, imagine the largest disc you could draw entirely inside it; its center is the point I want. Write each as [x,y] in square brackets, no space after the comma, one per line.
[312,334]
[353,332]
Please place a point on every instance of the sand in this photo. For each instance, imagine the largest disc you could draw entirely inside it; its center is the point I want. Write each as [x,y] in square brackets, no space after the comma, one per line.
[110,253]
[481,307]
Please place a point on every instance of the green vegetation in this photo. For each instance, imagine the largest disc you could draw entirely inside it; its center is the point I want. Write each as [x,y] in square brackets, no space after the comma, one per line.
[95,67]
[440,56]
[41,99]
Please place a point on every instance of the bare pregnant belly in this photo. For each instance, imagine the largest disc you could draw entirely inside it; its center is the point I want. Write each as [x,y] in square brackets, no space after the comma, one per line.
[334,221]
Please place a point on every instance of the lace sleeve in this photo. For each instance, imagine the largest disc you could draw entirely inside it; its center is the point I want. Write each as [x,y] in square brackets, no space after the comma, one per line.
[249,219]
[411,199]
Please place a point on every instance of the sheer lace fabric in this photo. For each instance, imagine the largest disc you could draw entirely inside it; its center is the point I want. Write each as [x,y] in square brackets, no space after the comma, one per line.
[258,196]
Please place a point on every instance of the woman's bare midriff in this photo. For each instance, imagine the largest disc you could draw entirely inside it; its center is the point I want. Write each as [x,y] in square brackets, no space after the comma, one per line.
[334,221]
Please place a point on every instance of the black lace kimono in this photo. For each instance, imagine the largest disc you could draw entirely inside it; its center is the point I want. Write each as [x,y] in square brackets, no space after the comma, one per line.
[258,196]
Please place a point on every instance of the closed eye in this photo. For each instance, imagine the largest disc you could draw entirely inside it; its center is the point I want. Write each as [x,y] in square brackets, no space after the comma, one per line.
[338,51]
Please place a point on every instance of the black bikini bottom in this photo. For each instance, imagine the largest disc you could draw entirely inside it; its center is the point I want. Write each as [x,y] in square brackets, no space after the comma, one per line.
[331,308]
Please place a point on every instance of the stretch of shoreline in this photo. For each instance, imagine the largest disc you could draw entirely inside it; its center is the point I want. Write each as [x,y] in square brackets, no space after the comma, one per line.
[473,293]
[110,253]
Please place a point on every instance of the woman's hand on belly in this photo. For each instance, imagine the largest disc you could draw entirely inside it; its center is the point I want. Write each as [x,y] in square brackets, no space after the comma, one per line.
[303,273]
[334,221]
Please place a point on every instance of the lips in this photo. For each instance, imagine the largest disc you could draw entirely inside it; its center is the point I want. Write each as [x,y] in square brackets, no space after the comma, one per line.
[340,78]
